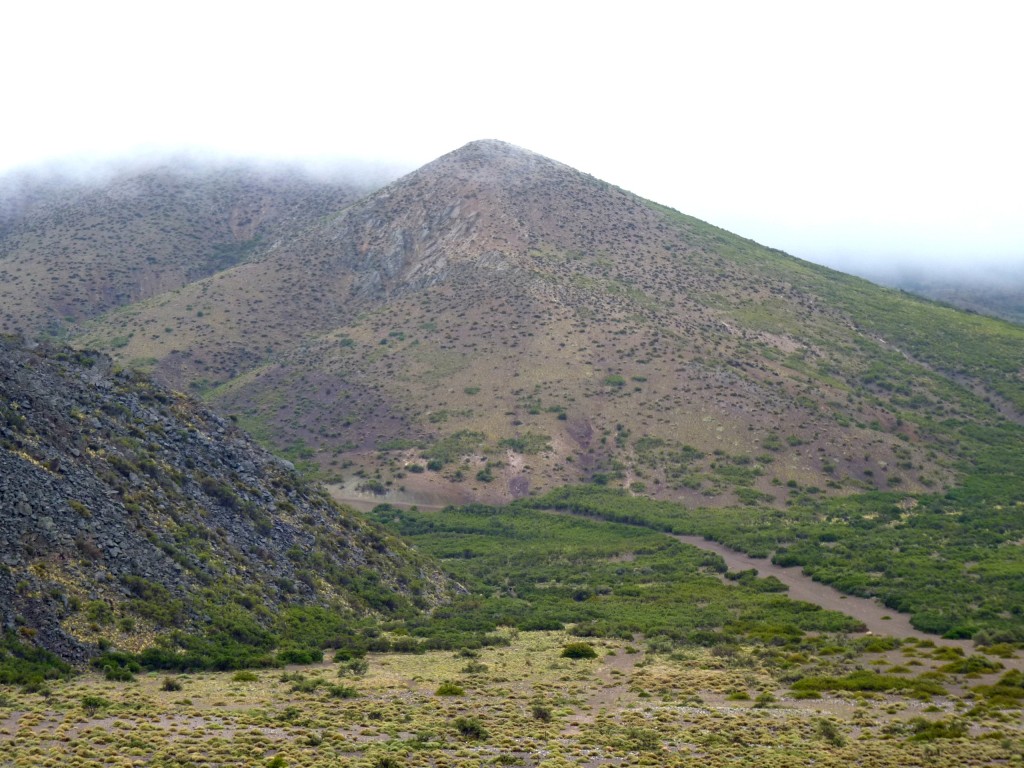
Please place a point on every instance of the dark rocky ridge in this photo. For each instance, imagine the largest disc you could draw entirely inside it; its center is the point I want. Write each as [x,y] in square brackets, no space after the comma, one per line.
[124,505]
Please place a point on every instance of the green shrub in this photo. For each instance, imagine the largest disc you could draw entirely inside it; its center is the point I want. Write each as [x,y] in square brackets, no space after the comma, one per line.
[450,689]
[470,728]
[22,664]
[642,739]
[579,651]
[922,729]
[171,684]
[354,667]
[93,704]
[118,674]
[292,655]
[972,665]
[866,680]
[830,732]
[342,692]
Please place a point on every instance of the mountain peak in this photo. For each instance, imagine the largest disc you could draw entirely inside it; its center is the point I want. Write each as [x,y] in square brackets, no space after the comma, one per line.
[492,156]
[496,299]
[492,147]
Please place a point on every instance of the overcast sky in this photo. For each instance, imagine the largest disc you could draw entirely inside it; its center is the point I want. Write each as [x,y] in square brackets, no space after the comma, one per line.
[848,133]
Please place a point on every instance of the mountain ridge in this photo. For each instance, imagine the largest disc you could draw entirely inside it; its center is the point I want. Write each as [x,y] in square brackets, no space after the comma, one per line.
[516,325]
[129,512]
[70,250]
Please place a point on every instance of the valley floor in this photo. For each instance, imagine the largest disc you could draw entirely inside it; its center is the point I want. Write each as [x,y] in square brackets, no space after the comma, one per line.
[519,705]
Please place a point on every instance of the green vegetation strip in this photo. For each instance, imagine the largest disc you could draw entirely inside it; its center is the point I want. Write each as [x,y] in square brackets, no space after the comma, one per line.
[534,570]
[952,561]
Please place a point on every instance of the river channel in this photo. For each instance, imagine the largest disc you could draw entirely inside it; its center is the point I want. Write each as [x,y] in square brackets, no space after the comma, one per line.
[875,617]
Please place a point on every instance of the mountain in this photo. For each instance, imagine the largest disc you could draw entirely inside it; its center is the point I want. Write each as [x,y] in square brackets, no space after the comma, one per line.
[128,512]
[497,323]
[72,248]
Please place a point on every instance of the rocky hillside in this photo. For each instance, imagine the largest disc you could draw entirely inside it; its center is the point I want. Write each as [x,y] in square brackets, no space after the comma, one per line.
[497,323]
[127,511]
[74,249]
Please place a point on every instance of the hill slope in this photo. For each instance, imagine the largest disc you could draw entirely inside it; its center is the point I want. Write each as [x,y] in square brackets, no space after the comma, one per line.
[128,511]
[509,324]
[510,318]
[70,250]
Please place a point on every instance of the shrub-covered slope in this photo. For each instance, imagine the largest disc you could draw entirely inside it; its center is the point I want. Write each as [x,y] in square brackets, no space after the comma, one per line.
[127,511]
[71,249]
[507,324]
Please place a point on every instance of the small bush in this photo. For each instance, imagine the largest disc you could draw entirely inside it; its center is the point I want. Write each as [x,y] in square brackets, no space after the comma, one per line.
[342,692]
[118,674]
[171,684]
[450,689]
[355,667]
[303,684]
[93,704]
[579,651]
[922,729]
[972,665]
[300,655]
[830,732]
[470,728]
[643,739]
[541,712]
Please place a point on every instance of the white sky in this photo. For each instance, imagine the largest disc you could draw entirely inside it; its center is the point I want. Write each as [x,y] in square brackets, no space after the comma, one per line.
[841,132]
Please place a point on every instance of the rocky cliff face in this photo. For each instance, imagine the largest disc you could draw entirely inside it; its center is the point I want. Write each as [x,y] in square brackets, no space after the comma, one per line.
[127,510]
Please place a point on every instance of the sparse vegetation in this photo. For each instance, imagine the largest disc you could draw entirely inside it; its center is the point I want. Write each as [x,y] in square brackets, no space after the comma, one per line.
[702,384]
[624,707]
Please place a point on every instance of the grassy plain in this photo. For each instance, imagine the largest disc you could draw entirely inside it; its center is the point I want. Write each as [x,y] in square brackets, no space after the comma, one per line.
[521,705]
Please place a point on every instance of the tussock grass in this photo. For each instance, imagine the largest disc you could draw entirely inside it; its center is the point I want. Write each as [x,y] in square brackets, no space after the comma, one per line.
[530,707]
